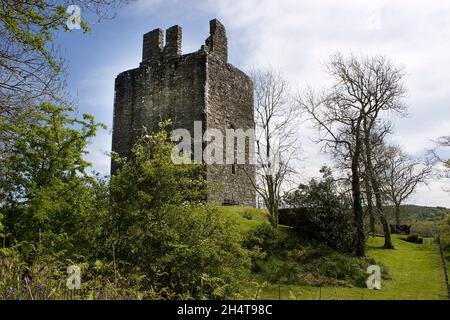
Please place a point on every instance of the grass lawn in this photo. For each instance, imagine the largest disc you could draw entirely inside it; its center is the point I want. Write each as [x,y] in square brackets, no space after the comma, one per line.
[245,218]
[415,270]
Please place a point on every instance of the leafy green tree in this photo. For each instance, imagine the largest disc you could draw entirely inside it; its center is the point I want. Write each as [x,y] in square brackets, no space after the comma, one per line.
[160,227]
[31,24]
[45,188]
[32,68]
[328,211]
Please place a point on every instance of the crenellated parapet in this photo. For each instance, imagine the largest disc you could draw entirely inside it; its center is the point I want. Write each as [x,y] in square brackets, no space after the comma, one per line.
[156,49]
[199,87]
[217,43]
[153,45]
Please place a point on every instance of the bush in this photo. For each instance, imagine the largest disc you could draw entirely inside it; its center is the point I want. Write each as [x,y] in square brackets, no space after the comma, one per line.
[264,236]
[247,215]
[45,279]
[327,213]
[444,233]
[45,191]
[278,256]
[414,238]
[159,226]
[144,235]
[425,228]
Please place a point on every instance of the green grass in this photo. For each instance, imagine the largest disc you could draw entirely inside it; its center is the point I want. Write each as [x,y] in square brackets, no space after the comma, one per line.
[245,218]
[415,270]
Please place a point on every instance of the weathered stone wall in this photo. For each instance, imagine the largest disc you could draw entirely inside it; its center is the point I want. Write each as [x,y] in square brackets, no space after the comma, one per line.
[230,106]
[157,91]
[201,86]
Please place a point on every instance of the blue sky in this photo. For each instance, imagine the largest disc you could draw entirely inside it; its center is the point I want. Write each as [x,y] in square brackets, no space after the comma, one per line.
[293,36]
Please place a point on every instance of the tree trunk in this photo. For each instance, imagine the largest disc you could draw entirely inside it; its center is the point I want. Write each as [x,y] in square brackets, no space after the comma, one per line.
[397,214]
[272,202]
[379,203]
[376,189]
[357,205]
[370,208]
[386,230]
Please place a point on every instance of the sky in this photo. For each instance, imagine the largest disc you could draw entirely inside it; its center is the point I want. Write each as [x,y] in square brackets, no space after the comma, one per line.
[295,37]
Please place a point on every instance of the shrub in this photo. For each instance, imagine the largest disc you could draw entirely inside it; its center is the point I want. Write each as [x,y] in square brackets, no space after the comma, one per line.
[444,233]
[327,213]
[160,227]
[247,215]
[45,191]
[425,228]
[45,279]
[414,238]
[278,256]
[264,236]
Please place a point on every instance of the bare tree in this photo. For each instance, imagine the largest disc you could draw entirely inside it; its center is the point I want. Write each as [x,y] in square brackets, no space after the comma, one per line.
[349,114]
[402,175]
[442,142]
[275,138]
[339,121]
[373,139]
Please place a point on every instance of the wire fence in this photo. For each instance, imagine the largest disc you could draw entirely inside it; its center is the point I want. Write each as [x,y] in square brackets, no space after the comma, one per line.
[444,265]
[282,292]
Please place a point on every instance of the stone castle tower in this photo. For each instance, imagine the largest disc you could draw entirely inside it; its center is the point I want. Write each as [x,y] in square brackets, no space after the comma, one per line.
[200,86]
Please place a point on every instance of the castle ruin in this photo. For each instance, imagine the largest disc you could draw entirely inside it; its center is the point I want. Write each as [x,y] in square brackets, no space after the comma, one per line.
[199,86]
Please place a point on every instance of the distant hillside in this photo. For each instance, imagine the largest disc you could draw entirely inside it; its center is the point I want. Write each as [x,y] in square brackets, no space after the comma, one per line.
[413,212]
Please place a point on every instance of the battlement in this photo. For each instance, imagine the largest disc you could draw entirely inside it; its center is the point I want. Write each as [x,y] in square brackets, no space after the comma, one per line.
[153,45]
[154,49]
[198,87]
[217,43]
[173,42]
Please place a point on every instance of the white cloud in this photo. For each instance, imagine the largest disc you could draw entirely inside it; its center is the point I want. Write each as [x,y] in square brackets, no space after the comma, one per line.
[297,37]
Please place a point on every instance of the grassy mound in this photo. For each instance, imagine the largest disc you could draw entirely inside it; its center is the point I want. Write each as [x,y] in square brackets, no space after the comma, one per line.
[280,257]
[245,218]
[288,268]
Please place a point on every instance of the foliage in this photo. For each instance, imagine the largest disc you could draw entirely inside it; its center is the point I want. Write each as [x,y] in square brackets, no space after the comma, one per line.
[278,256]
[159,226]
[32,68]
[444,233]
[413,213]
[146,234]
[421,280]
[428,229]
[32,22]
[264,236]
[328,212]
[414,238]
[45,189]
[45,279]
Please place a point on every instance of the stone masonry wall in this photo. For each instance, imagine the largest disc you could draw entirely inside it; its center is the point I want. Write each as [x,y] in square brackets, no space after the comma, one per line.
[230,106]
[156,92]
[201,86]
